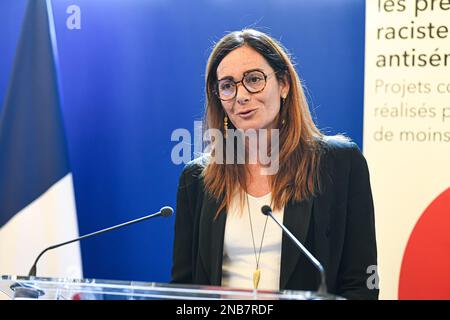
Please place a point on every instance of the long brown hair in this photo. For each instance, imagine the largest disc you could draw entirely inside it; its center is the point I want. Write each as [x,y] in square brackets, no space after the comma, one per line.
[299,138]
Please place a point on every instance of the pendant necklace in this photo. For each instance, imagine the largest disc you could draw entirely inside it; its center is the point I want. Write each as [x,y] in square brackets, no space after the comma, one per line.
[257,272]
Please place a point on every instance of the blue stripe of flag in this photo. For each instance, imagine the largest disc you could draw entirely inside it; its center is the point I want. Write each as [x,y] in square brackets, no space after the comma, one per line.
[33,154]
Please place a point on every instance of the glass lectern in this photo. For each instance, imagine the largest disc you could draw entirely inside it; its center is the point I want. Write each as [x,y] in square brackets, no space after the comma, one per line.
[18,287]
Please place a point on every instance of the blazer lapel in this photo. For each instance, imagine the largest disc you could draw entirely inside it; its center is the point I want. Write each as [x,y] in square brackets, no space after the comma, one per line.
[297,216]
[211,240]
[217,238]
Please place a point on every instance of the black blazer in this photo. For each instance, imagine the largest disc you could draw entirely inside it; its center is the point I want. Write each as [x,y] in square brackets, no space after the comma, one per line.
[337,227]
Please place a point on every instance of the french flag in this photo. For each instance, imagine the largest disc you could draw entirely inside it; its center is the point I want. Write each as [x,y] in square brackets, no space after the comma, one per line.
[37,204]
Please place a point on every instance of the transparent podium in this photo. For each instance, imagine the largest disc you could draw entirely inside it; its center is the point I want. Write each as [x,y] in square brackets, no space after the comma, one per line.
[18,287]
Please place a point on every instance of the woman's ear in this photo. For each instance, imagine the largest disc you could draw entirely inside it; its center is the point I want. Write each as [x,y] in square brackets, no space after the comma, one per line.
[284,86]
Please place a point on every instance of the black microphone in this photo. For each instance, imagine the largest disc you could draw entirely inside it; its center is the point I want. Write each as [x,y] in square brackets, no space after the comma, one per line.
[266,210]
[164,212]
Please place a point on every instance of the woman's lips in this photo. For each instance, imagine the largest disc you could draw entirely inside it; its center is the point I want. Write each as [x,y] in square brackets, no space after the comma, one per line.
[247,114]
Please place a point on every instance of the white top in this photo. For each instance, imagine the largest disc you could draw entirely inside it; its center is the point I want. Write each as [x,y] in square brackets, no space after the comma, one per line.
[239,261]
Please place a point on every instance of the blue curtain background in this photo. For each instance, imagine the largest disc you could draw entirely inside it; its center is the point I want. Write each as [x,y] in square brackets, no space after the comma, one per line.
[134,72]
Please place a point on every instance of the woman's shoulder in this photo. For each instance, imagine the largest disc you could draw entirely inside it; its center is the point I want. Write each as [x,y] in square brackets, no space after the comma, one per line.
[342,153]
[339,147]
[194,168]
[337,143]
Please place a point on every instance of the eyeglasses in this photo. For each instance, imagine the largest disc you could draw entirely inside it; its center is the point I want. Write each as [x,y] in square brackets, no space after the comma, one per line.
[254,81]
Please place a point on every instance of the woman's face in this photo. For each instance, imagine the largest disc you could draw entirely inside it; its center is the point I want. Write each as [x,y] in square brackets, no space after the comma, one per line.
[251,110]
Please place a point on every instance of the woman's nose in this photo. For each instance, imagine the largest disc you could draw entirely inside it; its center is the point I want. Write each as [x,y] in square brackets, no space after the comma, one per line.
[242,95]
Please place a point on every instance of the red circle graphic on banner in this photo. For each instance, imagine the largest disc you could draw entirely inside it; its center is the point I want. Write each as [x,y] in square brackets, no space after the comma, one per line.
[425,269]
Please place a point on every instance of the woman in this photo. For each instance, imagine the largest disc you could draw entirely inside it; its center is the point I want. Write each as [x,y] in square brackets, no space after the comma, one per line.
[320,190]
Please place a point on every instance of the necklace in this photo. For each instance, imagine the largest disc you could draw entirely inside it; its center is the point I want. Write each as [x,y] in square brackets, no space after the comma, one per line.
[257,272]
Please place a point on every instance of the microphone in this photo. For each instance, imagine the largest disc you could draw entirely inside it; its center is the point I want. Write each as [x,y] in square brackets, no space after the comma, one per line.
[266,210]
[163,212]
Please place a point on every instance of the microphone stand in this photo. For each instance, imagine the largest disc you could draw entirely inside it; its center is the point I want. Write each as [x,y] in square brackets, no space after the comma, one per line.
[266,210]
[27,292]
